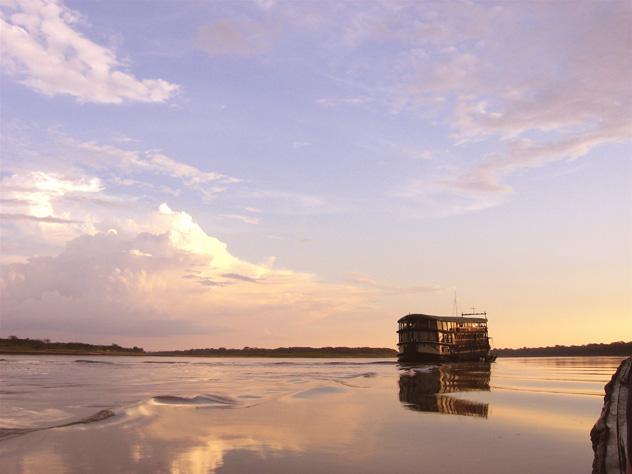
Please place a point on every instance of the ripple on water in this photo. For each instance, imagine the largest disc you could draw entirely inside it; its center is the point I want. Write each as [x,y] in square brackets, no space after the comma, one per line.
[198,400]
[317,392]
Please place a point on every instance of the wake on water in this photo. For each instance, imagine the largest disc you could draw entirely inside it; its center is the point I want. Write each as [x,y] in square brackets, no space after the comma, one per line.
[200,401]
[6,433]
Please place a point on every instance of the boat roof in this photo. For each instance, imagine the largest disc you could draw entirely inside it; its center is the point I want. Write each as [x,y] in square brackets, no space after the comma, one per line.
[414,317]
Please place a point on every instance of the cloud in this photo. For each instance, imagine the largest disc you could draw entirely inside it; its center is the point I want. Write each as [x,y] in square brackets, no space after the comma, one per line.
[235,37]
[104,202]
[207,183]
[534,84]
[237,276]
[485,178]
[293,203]
[44,50]
[238,217]
[42,210]
[37,190]
[175,280]
[27,217]
[332,102]
[533,98]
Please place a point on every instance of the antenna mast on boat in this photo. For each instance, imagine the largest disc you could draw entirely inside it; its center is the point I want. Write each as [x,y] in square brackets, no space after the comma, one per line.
[456,305]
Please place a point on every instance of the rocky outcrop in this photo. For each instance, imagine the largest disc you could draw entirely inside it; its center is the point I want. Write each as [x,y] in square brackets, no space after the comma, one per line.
[612,434]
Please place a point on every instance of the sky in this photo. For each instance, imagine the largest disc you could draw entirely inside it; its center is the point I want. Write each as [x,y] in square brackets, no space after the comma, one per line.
[270,173]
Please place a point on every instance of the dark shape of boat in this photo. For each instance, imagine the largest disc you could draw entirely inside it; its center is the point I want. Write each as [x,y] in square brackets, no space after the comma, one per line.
[426,338]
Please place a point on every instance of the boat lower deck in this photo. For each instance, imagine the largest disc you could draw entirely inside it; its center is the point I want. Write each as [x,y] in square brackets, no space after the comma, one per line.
[421,357]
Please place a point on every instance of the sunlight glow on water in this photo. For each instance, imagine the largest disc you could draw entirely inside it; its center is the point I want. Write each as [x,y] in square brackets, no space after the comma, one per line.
[201,415]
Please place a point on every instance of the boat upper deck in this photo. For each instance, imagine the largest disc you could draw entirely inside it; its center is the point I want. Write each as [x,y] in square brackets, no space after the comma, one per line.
[453,319]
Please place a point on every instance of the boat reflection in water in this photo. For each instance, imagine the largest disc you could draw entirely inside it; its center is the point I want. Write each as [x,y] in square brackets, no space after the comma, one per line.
[425,388]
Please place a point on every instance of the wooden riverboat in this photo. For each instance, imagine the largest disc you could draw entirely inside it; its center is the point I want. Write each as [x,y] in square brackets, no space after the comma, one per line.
[427,338]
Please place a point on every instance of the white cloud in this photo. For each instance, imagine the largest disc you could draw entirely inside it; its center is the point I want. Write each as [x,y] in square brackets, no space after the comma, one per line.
[539,85]
[36,190]
[28,217]
[207,183]
[43,49]
[241,218]
[174,280]
[31,210]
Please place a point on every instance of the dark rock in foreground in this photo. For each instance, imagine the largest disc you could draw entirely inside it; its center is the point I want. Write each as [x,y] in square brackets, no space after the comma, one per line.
[612,434]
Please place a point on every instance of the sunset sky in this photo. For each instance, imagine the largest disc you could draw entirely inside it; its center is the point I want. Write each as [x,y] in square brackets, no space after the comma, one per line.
[270,173]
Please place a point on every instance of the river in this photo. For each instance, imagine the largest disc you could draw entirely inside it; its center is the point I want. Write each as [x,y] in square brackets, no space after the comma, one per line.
[242,415]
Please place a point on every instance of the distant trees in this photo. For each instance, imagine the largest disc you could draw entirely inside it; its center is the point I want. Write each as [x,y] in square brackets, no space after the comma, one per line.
[287,352]
[619,348]
[15,344]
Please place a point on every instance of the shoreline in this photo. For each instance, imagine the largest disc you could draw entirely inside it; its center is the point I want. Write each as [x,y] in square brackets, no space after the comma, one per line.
[273,356]
[215,356]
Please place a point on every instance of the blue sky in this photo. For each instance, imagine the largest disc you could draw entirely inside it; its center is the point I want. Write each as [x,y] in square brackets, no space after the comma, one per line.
[325,166]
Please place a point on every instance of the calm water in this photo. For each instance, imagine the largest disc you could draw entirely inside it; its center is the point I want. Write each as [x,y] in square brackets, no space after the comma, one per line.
[193,415]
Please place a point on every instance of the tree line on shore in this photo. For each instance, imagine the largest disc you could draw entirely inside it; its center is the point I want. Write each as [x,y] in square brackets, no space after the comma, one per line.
[287,352]
[14,344]
[619,348]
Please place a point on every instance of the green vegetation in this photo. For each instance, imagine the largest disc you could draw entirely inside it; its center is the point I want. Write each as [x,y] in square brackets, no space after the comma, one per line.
[619,348]
[15,345]
[285,352]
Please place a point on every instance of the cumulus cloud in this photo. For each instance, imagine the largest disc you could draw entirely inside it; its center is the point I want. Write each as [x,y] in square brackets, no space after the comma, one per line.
[37,190]
[30,208]
[175,280]
[43,48]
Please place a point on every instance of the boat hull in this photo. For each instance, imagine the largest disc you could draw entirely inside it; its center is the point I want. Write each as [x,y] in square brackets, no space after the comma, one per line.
[417,357]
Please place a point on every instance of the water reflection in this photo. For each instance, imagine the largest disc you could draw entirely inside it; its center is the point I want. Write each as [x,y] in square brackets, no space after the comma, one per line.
[423,388]
[314,417]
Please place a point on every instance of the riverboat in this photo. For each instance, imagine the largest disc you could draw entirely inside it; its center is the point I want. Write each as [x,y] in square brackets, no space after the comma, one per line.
[427,338]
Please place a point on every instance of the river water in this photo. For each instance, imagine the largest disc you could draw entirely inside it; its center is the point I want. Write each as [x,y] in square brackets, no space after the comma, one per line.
[242,415]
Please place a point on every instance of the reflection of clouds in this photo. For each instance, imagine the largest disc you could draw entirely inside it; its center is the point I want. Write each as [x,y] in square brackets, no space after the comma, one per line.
[189,439]
[356,430]
[571,425]
[276,426]
[134,285]
[42,461]
[165,435]
[209,457]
